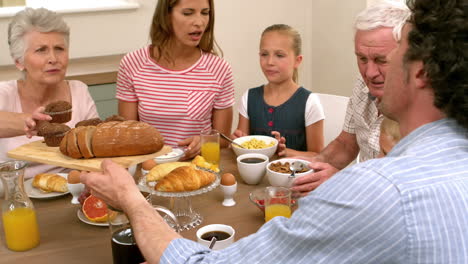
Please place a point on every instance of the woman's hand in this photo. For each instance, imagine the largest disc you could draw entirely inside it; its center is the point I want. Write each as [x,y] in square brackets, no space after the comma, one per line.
[237,134]
[281,150]
[30,123]
[193,147]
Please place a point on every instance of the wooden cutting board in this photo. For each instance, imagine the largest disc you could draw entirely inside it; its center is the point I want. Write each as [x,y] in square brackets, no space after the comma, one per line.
[38,151]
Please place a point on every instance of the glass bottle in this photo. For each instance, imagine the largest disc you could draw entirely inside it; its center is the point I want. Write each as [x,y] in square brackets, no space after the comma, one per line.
[124,247]
[18,214]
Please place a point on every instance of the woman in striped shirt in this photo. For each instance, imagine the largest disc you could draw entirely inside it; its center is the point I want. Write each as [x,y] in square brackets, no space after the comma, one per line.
[178,84]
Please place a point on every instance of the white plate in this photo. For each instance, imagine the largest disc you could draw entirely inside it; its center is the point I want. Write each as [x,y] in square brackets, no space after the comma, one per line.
[172,156]
[38,194]
[83,219]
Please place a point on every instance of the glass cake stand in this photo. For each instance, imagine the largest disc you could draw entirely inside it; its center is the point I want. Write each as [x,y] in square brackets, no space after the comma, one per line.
[180,203]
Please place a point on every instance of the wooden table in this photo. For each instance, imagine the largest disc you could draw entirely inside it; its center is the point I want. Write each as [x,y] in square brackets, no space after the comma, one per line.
[65,239]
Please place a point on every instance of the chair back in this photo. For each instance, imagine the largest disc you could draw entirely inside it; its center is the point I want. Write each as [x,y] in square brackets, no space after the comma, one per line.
[334,107]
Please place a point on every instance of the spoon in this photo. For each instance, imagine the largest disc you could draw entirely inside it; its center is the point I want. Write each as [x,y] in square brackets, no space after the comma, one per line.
[213,241]
[230,140]
[294,167]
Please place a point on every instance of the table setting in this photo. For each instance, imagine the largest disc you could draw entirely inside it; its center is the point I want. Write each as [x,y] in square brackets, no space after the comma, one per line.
[227,200]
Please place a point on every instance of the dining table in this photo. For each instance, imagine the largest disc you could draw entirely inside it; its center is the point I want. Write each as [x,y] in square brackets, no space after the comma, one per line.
[64,238]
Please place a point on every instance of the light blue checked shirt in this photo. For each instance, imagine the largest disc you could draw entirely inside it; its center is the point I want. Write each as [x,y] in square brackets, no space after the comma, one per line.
[410,207]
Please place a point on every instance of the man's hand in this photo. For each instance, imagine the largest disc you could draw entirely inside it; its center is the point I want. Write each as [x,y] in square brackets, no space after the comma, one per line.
[114,185]
[30,123]
[307,183]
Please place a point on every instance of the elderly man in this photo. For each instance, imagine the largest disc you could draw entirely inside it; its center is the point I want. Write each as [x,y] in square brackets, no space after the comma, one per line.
[409,207]
[378,28]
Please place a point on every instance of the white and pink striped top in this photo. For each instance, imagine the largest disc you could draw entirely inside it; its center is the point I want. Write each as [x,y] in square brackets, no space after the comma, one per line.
[178,103]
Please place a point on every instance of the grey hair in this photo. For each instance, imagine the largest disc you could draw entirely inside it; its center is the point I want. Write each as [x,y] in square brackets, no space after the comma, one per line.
[30,19]
[391,14]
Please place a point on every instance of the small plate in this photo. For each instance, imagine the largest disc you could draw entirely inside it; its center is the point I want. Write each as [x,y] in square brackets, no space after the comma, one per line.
[38,194]
[83,219]
[172,156]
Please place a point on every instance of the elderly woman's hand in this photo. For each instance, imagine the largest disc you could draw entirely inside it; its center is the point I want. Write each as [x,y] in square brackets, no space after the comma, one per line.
[193,147]
[30,123]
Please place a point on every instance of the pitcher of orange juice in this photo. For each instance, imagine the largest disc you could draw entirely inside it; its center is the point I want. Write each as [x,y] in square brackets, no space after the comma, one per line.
[18,214]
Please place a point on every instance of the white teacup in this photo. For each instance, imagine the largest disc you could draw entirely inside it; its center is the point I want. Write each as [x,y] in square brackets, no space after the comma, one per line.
[220,244]
[252,167]
[75,190]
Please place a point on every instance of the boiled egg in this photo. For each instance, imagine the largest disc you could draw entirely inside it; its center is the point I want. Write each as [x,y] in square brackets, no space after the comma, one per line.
[149,164]
[74,177]
[228,179]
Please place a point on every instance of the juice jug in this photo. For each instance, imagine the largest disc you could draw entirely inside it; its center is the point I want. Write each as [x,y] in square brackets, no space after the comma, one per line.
[124,247]
[18,214]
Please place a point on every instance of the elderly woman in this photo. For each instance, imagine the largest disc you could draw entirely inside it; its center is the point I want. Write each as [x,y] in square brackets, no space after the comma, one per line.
[38,40]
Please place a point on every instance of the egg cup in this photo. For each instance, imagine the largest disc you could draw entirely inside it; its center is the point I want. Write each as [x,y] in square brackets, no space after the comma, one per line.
[229,191]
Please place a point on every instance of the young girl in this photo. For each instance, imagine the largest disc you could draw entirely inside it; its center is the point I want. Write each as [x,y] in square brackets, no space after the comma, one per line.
[178,84]
[282,107]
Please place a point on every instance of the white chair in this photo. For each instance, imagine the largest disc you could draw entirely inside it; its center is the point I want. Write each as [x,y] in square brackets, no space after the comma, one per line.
[334,107]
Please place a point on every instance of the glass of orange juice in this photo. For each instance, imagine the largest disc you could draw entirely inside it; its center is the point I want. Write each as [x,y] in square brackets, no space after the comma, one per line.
[277,202]
[210,149]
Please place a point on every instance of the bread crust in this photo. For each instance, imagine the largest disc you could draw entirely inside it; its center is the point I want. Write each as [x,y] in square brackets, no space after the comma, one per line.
[126,138]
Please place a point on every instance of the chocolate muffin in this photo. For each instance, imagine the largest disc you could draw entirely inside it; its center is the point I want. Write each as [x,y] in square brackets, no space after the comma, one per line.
[53,133]
[89,122]
[60,111]
[115,118]
[40,126]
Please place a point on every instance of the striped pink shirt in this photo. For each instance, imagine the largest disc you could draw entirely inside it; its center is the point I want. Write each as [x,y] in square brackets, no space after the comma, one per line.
[178,103]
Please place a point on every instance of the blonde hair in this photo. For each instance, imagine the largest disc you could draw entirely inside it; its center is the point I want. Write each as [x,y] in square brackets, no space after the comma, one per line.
[296,39]
[161,32]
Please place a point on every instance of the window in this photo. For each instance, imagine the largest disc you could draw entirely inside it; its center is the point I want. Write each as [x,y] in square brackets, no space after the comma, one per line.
[10,7]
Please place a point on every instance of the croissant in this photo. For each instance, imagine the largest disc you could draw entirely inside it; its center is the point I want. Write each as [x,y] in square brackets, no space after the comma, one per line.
[160,171]
[183,179]
[49,182]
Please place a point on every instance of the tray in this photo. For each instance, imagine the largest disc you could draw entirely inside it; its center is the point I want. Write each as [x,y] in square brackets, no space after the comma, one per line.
[38,151]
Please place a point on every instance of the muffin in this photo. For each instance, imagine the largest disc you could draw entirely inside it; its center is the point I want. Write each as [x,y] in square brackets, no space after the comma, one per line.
[60,111]
[89,122]
[40,126]
[53,133]
[114,118]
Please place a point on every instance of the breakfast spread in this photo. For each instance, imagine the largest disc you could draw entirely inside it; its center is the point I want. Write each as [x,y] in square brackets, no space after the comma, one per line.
[183,179]
[257,144]
[111,139]
[49,182]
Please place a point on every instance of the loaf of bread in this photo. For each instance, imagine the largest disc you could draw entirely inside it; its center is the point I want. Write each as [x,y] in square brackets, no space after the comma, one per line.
[184,179]
[49,182]
[161,170]
[111,139]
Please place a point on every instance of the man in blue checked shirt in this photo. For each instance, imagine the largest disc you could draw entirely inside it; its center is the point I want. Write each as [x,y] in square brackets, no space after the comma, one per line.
[409,207]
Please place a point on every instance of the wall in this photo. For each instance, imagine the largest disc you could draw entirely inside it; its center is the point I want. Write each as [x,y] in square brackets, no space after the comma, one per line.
[325,25]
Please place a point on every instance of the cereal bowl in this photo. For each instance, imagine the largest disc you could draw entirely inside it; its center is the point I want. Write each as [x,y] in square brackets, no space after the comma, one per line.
[276,178]
[268,151]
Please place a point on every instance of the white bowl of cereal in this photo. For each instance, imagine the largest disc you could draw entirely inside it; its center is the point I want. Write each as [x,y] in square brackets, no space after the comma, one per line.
[278,172]
[255,144]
